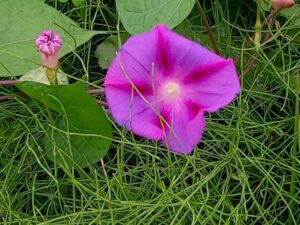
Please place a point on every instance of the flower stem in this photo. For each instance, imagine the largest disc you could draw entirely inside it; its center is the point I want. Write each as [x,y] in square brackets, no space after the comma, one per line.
[294,151]
[269,17]
[102,103]
[51,75]
[5,98]
[50,117]
[95,91]
[257,37]
[8,82]
[211,34]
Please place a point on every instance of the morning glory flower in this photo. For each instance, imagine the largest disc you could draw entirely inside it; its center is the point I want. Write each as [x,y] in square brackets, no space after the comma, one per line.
[49,44]
[160,85]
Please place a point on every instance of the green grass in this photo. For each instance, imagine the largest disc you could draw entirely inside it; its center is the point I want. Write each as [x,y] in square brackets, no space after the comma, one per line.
[245,171]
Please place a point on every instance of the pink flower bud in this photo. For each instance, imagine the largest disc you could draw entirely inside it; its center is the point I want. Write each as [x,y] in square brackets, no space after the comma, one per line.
[49,44]
[282,4]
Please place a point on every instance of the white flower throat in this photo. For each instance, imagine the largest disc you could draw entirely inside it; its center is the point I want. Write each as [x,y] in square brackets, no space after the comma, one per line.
[171,90]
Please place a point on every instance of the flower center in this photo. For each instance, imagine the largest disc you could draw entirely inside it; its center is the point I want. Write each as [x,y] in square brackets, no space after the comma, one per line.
[171,91]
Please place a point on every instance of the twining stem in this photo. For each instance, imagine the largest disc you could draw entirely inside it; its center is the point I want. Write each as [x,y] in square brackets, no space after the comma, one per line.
[252,61]
[5,98]
[269,17]
[51,75]
[102,103]
[8,82]
[211,34]
[294,151]
[96,91]
[250,64]
[50,117]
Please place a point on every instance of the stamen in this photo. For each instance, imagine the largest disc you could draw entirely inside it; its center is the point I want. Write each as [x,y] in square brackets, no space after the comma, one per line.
[171,91]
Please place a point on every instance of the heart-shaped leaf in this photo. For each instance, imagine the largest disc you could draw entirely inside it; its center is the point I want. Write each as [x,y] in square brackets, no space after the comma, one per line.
[21,22]
[185,29]
[139,16]
[81,134]
[106,51]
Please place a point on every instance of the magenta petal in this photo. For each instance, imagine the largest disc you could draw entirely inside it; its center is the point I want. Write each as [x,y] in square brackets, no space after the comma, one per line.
[167,50]
[143,49]
[133,113]
[184,54]
[215,87]
[183,134]
[128,108]
[163,59]
[48,42]
[50,61]
[127,71]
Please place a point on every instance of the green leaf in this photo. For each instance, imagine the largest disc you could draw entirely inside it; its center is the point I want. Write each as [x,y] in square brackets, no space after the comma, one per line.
[293,14]
[81,134]
[139,16]
[21,22]
[78,3]
[106,51]
[289,12]
[39,75]
[185,29]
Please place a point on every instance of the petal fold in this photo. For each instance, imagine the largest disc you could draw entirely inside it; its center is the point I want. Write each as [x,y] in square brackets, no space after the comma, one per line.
[134,113]
[213,87]
[182,134]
